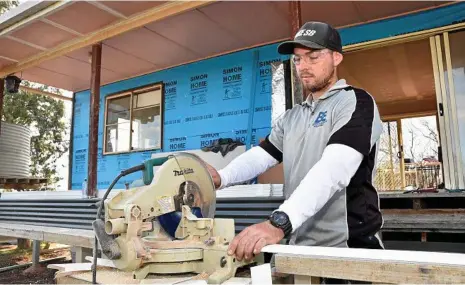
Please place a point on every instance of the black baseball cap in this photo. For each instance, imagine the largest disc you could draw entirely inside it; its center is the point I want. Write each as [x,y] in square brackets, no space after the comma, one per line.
[315,35]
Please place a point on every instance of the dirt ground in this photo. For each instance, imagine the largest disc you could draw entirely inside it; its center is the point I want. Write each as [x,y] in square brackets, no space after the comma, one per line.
[10,255]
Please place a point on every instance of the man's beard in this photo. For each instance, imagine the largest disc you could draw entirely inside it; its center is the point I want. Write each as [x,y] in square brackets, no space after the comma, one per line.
[319,84]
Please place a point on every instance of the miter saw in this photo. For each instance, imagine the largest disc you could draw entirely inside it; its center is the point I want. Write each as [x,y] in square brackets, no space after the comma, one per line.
[167,226]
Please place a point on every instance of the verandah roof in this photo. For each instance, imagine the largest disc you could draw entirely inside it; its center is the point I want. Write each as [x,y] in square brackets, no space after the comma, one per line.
[49,42]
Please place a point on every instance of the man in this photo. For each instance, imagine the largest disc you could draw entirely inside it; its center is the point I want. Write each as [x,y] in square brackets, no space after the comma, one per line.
[328,147]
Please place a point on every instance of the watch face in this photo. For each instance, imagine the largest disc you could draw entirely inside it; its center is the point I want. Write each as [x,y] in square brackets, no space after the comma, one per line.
[280,219]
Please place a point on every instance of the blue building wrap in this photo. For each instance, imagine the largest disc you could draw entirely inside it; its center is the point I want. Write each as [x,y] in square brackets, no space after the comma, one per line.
[204,101]
[222,106]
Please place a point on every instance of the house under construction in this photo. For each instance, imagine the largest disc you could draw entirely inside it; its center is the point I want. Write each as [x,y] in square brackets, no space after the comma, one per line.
[150,78]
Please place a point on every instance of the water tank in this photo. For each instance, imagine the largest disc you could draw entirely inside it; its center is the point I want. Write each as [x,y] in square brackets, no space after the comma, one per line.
[15,154]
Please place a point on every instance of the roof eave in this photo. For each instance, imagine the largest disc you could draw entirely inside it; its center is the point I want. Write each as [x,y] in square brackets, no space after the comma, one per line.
[23,11]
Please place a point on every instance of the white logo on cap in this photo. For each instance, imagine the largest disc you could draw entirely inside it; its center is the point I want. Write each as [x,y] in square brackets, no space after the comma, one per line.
[305,33]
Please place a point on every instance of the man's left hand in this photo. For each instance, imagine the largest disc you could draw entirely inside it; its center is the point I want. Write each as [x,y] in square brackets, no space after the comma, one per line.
[252,239]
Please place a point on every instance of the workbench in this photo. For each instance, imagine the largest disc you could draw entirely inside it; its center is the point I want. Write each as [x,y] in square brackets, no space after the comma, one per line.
[306,265]
[309,264]
[80,273]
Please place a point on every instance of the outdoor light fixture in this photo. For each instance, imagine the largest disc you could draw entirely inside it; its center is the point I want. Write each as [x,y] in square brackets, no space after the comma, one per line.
[12,84]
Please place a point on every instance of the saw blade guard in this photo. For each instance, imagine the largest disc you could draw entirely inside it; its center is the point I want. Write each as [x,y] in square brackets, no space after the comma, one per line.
[197,191]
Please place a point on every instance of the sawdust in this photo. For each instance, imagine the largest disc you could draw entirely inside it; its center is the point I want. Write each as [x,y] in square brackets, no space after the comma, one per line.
[10,256]
[201,276]
[13,256]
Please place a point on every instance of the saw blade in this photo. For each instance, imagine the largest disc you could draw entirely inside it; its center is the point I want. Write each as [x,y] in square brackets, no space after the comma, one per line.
[198,190]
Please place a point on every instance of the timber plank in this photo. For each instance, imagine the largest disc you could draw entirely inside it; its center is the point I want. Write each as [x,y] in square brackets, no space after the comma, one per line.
[76,237]
[20,231]
[371,271]
[71,267]
[386,266]
[102,262]
[104,276]
[436,221]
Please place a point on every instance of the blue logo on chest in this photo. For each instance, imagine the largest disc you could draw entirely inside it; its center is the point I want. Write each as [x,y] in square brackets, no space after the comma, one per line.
[320,119]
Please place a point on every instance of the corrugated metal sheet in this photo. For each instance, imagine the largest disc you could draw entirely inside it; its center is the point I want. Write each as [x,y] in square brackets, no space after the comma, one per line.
[65,213]
[79,213]
[246,211]
[254,190]
[15,153]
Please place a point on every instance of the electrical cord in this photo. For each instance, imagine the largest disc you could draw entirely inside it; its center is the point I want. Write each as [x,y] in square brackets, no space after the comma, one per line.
[123,173]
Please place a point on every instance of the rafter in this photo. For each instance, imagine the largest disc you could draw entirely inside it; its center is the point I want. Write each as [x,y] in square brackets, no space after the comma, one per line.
[39,15]
[125,25]
[107,9]
[46,93]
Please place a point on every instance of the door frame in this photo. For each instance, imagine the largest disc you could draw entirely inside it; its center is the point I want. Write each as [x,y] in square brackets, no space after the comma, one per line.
[447,112]
[447,125]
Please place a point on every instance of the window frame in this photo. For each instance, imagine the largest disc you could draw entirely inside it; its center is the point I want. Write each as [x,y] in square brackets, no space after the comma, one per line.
[131,93]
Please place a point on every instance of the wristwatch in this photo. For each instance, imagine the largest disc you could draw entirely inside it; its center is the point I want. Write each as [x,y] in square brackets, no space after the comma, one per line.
[281,220]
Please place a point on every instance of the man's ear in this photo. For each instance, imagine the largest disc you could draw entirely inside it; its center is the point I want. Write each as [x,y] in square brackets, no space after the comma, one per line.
[337,58]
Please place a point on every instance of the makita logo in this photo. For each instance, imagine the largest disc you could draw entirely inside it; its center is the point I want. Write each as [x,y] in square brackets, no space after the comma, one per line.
[183,171]
[303,33]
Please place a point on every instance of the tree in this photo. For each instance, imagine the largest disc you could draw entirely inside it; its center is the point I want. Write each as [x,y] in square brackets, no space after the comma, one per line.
[423,138]
[430,133]
[7,5]
[45,117]
[414,150]
[43,114]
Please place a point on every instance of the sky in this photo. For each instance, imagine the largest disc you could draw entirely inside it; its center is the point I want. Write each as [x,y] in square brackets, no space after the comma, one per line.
[63,162]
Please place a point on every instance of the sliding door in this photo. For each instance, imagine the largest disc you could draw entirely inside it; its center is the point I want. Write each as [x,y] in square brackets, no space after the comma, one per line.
[448,55]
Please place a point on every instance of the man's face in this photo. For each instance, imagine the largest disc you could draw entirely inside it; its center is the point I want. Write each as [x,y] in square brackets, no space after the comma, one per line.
[315,67]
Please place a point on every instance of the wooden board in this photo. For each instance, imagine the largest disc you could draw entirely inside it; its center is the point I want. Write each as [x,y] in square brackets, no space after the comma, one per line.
[20,231]
[102,262]
[104,276]
[71,267]
[387,266]
[22,183]
[424,222]
[66,275]
[400,194]
[76,237]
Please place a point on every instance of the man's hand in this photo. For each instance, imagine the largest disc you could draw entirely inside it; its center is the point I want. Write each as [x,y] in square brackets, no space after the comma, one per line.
[215,176]
[252,239]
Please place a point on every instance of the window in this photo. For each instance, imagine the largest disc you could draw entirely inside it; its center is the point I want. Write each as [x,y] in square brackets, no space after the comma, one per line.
[133,120]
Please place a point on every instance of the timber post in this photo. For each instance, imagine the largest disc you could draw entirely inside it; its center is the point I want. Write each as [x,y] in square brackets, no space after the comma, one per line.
[295,16]
[94,120]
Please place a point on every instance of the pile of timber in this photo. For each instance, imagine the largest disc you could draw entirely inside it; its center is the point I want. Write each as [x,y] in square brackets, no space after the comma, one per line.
[28,183]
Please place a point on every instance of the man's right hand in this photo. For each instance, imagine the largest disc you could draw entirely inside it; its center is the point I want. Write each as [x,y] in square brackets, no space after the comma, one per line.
[215,175]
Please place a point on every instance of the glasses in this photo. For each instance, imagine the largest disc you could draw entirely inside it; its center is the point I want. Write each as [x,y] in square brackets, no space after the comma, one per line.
[309,57]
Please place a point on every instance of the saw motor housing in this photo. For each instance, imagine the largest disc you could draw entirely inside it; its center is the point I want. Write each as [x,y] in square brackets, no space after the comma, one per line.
[168,226]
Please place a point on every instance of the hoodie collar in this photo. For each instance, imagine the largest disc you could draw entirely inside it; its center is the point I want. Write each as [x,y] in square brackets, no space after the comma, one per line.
[340,84]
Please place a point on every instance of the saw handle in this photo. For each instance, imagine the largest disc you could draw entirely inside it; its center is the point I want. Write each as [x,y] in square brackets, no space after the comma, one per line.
[148,170]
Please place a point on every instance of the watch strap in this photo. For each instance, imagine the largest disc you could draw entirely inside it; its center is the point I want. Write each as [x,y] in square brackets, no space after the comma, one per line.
[286,227]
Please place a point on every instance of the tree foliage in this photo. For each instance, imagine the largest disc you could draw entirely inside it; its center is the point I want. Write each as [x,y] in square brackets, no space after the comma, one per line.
[6,5]
[45,117]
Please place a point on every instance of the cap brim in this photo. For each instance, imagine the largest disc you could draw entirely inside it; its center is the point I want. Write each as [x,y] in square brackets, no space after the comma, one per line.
[288,47]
